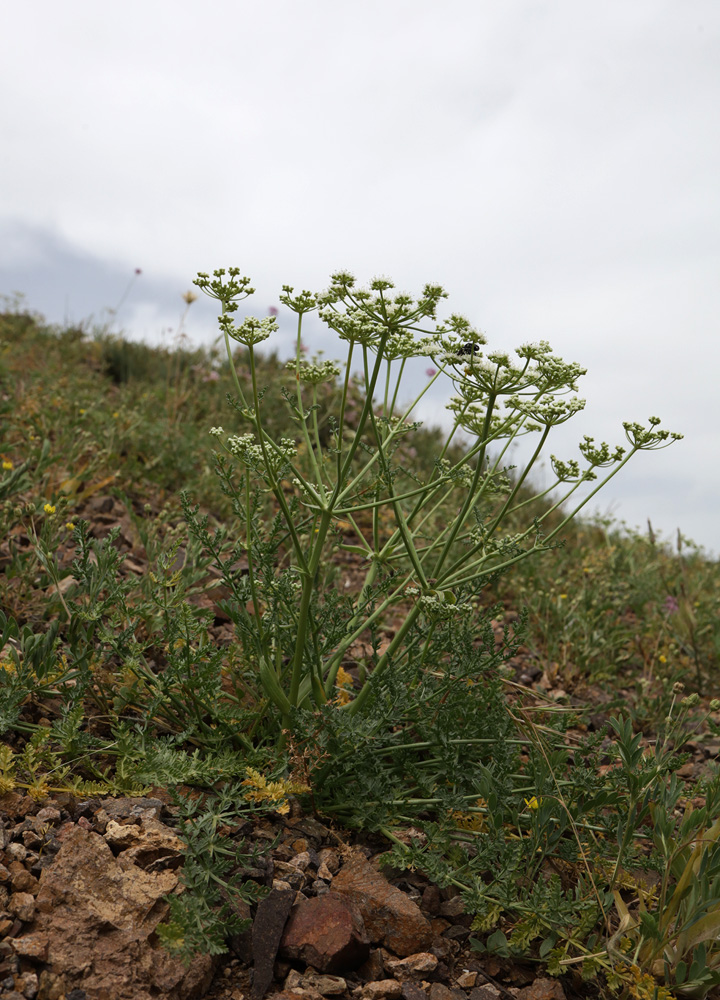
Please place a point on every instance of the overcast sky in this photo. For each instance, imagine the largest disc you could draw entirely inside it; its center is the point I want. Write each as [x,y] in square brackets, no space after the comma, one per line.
[554,165]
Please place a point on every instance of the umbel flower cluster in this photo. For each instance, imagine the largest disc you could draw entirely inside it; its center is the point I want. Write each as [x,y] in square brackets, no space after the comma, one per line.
[429,544]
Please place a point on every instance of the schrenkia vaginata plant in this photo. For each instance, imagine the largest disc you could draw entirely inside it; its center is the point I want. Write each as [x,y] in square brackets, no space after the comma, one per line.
[429,544]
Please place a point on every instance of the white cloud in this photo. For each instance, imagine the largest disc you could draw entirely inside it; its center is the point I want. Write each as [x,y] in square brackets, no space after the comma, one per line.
[554,165]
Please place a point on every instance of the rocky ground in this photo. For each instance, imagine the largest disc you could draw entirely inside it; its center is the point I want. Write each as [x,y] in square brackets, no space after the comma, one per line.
[82,889]
[83,884]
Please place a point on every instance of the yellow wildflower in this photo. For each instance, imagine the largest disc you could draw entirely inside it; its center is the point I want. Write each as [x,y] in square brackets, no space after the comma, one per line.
[7,465]
[533,803]
[49,508]
[343,678]
[471,820]
[70,526]
[344,683]
[273,794]
[645,986]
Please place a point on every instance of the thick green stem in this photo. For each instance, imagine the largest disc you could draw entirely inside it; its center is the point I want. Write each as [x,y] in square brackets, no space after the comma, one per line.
[382,664]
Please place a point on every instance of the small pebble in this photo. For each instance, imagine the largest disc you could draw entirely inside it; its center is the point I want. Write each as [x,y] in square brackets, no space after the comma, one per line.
[383,988]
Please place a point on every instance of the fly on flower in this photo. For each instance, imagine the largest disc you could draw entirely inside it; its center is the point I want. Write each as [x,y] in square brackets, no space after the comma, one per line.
[469,349]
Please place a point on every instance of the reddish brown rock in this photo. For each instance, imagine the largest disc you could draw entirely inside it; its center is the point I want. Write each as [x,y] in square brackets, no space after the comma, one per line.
[432,900]
[381,989]
[327,933]
[390,917]
[373,968]
[438,991]
[148,843]
[31,946]
[326,986]
[411,991]
[413,966]
[485,992]
[23,881]
[22,906]
[543,989]
[289,995]
[98,918]
[452,907]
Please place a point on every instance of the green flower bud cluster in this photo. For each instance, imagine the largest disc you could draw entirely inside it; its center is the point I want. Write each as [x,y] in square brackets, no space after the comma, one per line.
[649,439]
[600,456]
[300,304]
[472,417]
[372,314]
[393,310]
[492,544]
[251,331]
[437,608]
[569,472]
[226,292]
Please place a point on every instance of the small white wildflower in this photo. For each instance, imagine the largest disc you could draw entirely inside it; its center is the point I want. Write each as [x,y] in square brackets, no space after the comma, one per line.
[549,412]
[287,448]
[314,373]
[217,431]
[243,446]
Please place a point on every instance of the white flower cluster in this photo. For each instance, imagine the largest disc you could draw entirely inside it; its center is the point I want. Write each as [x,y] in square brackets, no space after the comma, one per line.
[472,418]
[402,344]
[313,372]
[496,545]
[550,412]
[244,446]
[217,431]
[287,448]
[464,476]
[438,610]
[353,325]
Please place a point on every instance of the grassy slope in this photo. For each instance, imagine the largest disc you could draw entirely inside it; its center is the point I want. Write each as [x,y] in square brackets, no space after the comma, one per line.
[93,425]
